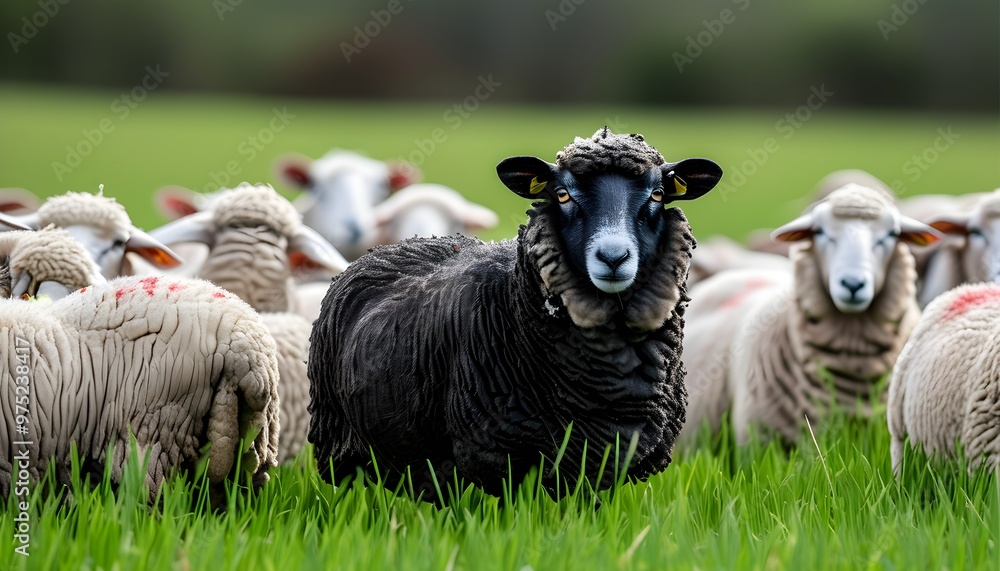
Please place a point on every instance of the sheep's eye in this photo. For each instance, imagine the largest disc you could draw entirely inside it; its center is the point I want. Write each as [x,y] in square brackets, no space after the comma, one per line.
[562,194]
[118,244]
[818,232]
[974,232]
[657,195]
[893,234]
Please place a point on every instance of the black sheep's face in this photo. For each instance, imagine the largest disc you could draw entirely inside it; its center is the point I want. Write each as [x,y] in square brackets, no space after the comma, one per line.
[610,222]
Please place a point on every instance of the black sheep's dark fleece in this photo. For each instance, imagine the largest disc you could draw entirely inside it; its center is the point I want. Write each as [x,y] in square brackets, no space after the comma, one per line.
[467,354]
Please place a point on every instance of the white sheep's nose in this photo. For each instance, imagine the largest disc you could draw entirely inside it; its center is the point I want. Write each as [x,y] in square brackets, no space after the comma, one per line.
[612,263]
[853,292]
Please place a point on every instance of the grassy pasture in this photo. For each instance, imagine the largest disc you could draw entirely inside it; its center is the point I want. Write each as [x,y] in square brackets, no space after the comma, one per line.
[834,504]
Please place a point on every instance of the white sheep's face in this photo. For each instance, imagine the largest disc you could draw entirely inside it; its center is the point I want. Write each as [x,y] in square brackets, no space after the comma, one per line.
[981,231]
[854,240]
[611,223]
[342,190]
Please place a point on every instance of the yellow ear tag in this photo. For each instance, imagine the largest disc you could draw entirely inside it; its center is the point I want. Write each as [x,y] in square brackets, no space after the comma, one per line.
[679,185]
[537,186]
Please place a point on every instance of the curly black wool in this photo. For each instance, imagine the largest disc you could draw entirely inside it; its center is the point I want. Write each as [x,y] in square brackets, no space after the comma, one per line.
[628,153]
[466,354]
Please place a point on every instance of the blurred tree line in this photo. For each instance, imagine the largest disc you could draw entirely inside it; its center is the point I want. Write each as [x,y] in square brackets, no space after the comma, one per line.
[917,54]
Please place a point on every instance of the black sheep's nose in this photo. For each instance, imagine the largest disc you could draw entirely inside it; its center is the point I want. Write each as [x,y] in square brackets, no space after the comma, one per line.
[853,285]
[613,258]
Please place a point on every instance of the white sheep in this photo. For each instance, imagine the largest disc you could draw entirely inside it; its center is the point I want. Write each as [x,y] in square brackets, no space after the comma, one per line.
[256,241]
[342,189]
[719,253]
[179,364]
[945,389]
[779,348]
[102,226]
[427,210]
[971,251]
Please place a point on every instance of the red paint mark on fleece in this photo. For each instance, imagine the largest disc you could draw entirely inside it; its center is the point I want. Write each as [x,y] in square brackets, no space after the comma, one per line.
[122,292]
[218,294]
[83,290]
[176,286]
[752,285]
[149,285]
[970,299]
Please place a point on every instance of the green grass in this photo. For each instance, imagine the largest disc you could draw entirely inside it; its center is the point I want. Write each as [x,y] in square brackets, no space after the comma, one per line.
[722,507]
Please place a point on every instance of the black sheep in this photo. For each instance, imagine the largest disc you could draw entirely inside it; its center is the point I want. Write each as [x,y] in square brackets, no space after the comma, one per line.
[479,356]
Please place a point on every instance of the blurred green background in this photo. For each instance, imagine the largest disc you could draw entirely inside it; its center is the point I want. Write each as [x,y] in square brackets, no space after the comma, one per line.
[140,95]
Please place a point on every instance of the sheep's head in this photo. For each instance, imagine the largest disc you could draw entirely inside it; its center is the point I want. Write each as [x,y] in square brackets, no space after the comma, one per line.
[259,210]
[854,233]
[342,189]
[47,262]
[607,196]
[103,228]
[980,228]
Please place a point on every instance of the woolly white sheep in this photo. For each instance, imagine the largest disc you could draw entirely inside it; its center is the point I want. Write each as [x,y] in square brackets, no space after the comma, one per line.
[719,253]
[256,240]
[780,348]
[342,189]
[178,364]
[945,389]
[456,353]
[104,229]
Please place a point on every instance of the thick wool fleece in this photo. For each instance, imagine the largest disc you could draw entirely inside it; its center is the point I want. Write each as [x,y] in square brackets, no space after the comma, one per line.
[479,356]
[945,388]
[47,255]
[178,363]
[604,151]
[76,208]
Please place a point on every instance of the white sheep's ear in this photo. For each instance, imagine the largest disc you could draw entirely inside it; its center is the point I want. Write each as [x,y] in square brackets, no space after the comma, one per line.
[199,227]
[312,256]
[293,170]
[915,232]
[10,222]
[958,225]
[477,217]
[151,249]
[176,201]
[18,201]
[798,229]
[402,174]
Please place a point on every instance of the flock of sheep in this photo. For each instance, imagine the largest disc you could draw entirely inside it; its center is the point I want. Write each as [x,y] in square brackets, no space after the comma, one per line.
[596,340]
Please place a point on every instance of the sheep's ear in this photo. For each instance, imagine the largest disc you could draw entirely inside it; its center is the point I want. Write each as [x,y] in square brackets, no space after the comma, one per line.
[9,222]
[310,255]
[689,179]
[175,201]
[527,176]
[197,227]
[478,217]
[151,250]
[293,170]
[18,201]
[915,232]
[798,229]
[952,225]
[402,174]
